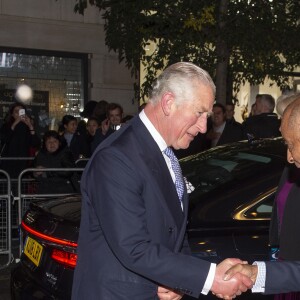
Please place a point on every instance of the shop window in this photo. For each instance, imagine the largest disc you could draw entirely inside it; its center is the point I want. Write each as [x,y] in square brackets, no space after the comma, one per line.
[57,81]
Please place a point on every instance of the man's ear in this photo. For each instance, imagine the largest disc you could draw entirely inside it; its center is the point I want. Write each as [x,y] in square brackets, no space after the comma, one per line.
[167,101]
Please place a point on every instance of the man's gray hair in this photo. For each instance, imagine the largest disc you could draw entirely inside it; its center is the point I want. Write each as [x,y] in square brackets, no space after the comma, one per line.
[179,80]
[268,101]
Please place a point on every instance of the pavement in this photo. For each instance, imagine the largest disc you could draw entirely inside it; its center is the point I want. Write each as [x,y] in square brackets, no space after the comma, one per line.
[6,270]
[5,284]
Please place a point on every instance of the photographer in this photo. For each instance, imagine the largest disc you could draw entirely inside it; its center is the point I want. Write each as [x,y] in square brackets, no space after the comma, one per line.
[109,123]
[18,137]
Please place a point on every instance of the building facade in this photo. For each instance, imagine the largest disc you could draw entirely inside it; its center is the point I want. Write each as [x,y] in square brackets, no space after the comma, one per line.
[61,55]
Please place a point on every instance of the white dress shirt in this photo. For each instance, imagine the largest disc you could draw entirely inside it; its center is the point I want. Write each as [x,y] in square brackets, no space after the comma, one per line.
[259,286]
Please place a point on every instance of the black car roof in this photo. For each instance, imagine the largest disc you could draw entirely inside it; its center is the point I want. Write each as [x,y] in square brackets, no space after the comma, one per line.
[229,176]
[69,207]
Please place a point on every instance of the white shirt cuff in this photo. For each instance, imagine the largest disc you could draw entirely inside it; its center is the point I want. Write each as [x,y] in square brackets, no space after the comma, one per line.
[259,286]
[209,279]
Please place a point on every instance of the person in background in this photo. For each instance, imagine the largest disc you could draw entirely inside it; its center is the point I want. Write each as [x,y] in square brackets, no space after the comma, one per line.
[283,276]
[87,113]
[110,124]
[132,241]
[114,114]
[81,128]
[100,110]
[284,100]
[91,128]
[72,139]
[88,109]
[221,131]
[230,114]
[18,138]
[265,123]
[53,155]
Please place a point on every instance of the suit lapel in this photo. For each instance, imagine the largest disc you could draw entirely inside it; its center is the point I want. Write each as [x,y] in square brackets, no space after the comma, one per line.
[160,172]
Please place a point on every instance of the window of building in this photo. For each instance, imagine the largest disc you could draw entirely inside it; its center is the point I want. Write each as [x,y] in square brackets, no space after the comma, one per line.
[58,82]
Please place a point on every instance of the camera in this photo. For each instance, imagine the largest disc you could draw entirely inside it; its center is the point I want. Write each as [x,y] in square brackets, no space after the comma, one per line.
[22,113]
[116,127]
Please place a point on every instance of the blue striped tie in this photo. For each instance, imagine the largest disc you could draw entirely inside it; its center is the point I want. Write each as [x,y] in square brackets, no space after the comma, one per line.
[179,183]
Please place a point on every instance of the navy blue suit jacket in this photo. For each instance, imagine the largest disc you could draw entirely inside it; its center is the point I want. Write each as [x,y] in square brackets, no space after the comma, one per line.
[282,277]
[132,234]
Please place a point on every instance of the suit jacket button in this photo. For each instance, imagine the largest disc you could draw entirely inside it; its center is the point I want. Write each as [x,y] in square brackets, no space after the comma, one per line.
[170,229]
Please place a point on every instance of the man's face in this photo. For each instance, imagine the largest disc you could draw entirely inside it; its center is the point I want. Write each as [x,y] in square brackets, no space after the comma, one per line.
[91,127]
[71,127]
[52,144]
[218,117]
[115,116]
[229,111]
[190,118]
[293,142]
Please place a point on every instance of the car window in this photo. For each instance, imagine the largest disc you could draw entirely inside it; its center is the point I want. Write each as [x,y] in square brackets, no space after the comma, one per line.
[217,168]
[262,209]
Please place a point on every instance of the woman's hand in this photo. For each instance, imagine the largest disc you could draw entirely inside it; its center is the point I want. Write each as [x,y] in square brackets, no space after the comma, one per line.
[27,121]
[18,119]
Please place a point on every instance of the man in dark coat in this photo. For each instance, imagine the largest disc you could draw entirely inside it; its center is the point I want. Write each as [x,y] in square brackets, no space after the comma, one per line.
[221,131]
[265,123]
[132,240]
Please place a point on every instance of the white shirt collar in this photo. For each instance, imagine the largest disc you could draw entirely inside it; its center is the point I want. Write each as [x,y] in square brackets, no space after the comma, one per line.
[155,134]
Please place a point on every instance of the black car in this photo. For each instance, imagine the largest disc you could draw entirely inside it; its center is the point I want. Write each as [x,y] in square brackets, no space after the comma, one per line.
[231,188]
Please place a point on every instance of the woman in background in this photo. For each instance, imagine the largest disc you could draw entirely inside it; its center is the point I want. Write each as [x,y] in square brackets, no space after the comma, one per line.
[91,128]
[53,155]
[18,137]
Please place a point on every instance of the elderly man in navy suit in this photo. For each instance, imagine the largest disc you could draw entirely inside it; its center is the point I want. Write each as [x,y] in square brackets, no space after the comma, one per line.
[132,239]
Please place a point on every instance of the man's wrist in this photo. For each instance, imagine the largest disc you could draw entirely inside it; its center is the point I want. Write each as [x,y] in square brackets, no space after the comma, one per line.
[259,285]
[209,279]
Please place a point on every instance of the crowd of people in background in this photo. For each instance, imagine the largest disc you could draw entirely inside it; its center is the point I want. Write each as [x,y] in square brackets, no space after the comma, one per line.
[100,119]
[76,139]
[73,140]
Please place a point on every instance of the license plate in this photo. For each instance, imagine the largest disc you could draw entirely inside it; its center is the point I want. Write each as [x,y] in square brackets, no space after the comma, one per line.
[33,250]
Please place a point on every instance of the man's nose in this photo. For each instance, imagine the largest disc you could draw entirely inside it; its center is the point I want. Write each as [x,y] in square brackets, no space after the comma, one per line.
[202,124]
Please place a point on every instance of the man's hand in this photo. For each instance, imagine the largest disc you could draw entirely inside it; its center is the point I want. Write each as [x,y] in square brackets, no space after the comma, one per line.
[164,293]
[105,126]
[232,287]
[248,270]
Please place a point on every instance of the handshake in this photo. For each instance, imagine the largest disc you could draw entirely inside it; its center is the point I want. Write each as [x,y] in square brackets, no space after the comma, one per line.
[233,277]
